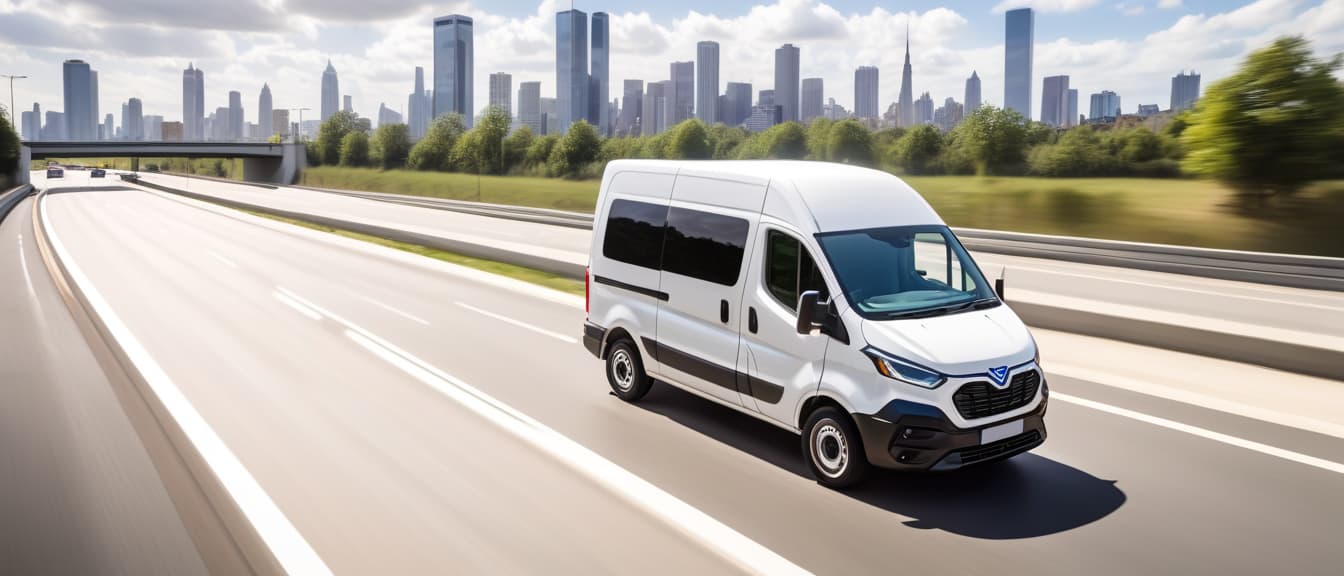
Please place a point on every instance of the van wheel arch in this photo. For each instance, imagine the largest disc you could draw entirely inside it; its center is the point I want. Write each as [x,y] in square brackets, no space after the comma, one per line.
[812,403]
[613,336]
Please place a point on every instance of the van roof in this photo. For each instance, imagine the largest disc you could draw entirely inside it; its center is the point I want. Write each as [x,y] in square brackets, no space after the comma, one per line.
[838,196]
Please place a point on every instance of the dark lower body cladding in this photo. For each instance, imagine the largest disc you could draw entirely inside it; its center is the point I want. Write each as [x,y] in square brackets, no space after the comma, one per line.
[911,436]
[593,336]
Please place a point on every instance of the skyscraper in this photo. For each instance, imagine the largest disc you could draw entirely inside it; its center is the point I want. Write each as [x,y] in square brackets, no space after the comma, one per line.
[906,115]
[550,119]
[765,98]
[529,106]
[28,120]
[1072,119]
[707,82]
[346,104]
[599,74]
[1105,104]
[153,128]
[93,101]
[865,92]
[387,116]
[1184,91]
[501,92]
[133,125]
[972,93]
[654,108]
[418,106]
[280,123]
[265,124]
[812,100]
[107,125]
[632,102]
[737,104]
[235,115]
[681,93]
[948,115]
[193,103]
[79,118]
[571,67]
[923,110]
[54,127]
[331,91]
[454,67]
[1018,46]
[1055,101]
[786,81]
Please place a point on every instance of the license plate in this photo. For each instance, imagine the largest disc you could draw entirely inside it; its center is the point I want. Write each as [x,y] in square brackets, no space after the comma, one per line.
[996,433]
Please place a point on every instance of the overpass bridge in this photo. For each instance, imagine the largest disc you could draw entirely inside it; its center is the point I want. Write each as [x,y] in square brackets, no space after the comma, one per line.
[262,162]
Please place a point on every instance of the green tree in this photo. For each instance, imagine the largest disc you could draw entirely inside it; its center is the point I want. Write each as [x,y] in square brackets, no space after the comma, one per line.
[1079,152]
[390,145]
[849,142]
[539,151]
[576,150]
[331,133]
[1271,127]
[9,146]
[516,146]
[1139,145]
[819,138]
[688,141]
[355,149]
[726,140]
[434,151]
[787,141]
[993,139]
[919,149]
[490,134]
[274,139]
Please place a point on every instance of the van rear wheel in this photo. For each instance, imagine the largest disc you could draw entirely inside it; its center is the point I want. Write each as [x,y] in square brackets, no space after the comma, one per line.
[833,449]
[625,372]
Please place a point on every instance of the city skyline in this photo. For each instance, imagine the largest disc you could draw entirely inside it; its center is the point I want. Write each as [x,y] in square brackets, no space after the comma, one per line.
[927,27]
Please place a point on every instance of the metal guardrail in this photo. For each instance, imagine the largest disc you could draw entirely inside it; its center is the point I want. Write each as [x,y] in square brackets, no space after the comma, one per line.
[11,198]
[1311,272]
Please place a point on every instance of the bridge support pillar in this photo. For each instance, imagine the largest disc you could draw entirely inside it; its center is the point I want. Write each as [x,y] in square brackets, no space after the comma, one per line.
[21,173]
[284,170]
[135,164]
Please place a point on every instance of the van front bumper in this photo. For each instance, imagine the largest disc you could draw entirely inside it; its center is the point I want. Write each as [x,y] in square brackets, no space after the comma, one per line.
[911,436]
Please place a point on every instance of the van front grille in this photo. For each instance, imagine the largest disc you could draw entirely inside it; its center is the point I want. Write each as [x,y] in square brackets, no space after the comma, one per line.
[979,399]
[1005,447]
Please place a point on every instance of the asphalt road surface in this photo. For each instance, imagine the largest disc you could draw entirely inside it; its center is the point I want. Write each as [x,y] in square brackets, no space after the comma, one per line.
[294,347]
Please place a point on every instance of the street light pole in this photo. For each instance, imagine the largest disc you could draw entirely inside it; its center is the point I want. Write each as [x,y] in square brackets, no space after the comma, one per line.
[12,78]
[296,132]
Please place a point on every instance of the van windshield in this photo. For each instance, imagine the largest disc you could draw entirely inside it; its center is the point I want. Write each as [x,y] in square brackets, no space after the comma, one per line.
[906,272]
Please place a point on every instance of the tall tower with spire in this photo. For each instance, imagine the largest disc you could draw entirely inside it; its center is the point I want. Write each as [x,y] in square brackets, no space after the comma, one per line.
[265,127]
[906,111]
[331,90]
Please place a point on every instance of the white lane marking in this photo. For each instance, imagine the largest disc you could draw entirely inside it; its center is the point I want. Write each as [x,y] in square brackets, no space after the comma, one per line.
[298,306]
[1193,398]
[293,552]
[1204,433]
[221,258]
[27,278]
[709,532]
[521,324]
[1166,286]
[394,310]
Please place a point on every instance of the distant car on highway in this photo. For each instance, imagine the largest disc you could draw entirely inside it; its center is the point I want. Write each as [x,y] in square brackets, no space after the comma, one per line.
[55,172]
[97,173]
[826,299]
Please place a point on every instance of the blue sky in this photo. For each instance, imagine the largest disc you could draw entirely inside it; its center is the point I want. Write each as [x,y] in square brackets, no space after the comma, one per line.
[140,46]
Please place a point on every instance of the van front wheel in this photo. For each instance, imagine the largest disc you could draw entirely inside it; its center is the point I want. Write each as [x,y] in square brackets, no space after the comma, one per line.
[833,449]
[625,372]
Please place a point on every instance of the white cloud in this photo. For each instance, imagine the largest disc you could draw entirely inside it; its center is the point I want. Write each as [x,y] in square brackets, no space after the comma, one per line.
[1168,4]
[1130,9]
[1045,6]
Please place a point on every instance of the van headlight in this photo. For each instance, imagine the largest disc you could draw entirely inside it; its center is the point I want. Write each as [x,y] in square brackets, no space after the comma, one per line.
[904,371]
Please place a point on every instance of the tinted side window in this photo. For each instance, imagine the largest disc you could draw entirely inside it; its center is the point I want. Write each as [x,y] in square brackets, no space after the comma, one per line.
[635,233]
[704,245]
[790,271]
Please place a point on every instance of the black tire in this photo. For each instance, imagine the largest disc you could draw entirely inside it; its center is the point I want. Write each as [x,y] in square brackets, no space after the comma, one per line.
[833,449]
[625,372]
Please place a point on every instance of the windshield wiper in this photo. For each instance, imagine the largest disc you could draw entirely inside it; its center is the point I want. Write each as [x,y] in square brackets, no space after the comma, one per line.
[980,304]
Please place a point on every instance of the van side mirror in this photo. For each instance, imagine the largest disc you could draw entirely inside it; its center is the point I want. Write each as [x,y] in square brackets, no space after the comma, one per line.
[811,312]
[998,288]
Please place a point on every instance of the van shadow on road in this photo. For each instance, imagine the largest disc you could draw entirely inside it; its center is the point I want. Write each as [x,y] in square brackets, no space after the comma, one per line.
[1024,497]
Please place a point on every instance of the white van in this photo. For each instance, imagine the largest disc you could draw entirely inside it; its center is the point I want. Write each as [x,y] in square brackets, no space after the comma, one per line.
[829,300]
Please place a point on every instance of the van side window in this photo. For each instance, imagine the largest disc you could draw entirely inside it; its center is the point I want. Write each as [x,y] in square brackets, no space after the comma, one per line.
[790,270]
[704,245]
[635,233]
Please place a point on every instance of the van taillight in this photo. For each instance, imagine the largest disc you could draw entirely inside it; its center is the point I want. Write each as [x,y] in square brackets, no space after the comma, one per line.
[586,273]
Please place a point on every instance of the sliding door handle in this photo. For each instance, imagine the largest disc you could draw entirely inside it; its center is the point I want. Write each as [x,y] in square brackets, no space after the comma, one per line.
[723,311]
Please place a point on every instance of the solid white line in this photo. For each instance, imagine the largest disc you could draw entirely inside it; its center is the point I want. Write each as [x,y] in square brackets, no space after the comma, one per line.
[294,553]
[221,258]
[521,324]
[299,306]
[1192,398]
[27,278]
[709,532]
[1204,433]
[394,310]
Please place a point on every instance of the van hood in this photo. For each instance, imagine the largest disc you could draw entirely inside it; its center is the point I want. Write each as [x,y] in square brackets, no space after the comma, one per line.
[956,344]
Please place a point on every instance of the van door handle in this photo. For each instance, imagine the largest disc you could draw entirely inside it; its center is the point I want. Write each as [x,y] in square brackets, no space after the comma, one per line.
[751,319]
[723,311]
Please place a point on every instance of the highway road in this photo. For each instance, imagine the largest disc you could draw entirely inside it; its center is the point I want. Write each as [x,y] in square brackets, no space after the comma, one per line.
[410,416]
[1273,312]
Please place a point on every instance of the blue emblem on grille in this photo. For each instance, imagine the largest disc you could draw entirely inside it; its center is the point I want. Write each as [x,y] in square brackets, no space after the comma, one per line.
[999,376]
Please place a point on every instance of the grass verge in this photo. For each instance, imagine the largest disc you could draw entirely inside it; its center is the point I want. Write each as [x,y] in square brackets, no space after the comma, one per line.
[516,272]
